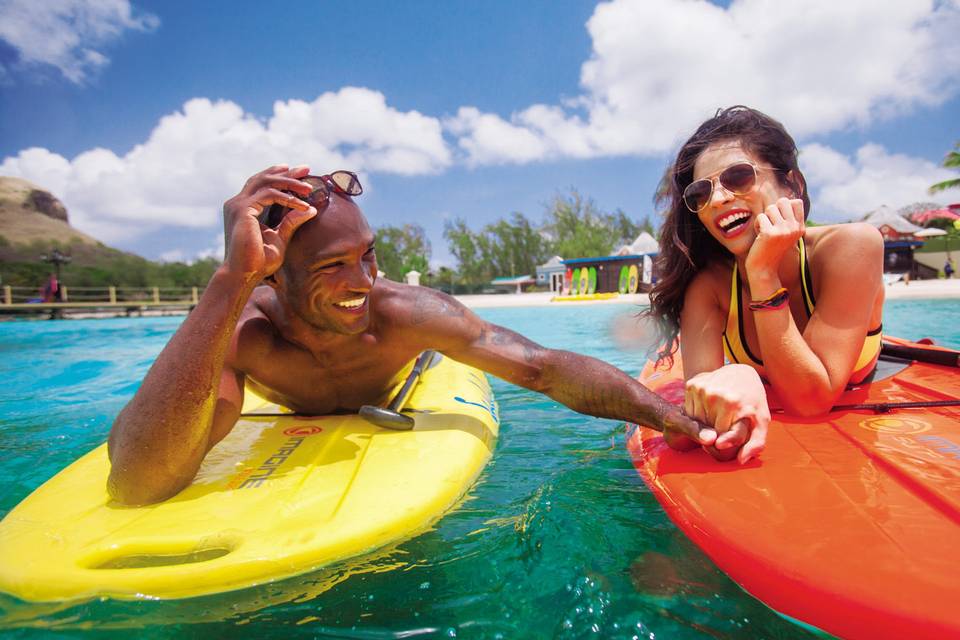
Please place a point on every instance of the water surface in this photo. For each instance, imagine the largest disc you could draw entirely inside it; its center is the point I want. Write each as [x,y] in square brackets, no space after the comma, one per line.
[559,538]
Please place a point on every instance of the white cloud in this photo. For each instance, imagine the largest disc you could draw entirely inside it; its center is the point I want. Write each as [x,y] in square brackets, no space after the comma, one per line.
[174,255]
[845,188]
[215,250]
[67,34]
[659,67]
[197,157]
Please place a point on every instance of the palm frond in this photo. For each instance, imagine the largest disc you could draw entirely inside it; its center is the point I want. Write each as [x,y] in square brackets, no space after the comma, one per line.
[953,183]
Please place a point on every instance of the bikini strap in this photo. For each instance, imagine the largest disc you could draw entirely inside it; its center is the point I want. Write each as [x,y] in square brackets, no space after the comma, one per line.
[806,280]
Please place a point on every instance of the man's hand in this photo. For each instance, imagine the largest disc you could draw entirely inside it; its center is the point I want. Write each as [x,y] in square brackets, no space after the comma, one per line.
[731,398]
[683,433]
[252,248]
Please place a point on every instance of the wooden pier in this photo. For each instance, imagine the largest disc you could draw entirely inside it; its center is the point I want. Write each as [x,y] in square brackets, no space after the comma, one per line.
[115,301]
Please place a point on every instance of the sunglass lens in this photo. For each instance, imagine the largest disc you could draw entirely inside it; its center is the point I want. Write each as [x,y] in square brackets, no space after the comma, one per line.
[739,178]
[318,197]
[697,194]
[346,182]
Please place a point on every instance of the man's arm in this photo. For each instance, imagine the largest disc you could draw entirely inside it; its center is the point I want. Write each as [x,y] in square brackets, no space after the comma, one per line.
[584,384]
[160,438]
[190,398]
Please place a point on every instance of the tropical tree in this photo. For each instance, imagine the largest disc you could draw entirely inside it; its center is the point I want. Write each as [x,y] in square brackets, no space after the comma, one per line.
[512,248]
[573,227]
[952,161]
[402,249]
[462,242]
[577,228]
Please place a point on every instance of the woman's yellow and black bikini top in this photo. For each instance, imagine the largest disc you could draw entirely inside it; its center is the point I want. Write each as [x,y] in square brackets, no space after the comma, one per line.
[735,342]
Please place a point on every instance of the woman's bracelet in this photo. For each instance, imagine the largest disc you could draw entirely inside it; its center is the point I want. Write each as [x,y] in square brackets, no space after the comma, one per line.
[777,300]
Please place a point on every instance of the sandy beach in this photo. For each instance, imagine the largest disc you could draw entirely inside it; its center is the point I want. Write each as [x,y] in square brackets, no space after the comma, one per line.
[918,289]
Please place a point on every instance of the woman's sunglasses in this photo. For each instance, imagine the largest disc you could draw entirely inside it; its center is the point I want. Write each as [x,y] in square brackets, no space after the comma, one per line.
[343,182]
[739,179]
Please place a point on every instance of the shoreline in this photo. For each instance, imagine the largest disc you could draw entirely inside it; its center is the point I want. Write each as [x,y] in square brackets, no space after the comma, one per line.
[916,290]
[940,289]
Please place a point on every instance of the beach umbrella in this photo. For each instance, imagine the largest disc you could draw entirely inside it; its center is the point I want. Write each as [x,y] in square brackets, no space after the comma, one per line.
[924,217]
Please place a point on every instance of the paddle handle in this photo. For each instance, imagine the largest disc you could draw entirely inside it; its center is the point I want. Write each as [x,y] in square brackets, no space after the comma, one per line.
[944,357]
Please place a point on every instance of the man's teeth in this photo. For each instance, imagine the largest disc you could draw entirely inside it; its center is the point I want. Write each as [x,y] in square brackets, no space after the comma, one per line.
[351,304]
[733,220]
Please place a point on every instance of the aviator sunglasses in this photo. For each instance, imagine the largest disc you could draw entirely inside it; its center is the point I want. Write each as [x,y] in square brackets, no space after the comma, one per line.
[739,179]
[343,182]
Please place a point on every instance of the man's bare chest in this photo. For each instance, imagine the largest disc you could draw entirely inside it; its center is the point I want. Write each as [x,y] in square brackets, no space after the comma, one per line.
[332,384]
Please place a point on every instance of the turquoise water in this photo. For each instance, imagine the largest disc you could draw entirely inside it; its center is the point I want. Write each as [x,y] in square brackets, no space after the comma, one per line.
[559,538]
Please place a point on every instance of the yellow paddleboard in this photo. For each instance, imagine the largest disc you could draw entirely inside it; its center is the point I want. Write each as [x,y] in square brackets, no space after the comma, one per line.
[279,496]
[585,297]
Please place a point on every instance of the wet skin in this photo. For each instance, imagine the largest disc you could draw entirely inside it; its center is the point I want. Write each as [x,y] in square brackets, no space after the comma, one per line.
[298,314]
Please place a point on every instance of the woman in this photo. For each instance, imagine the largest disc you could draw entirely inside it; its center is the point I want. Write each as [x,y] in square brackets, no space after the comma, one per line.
[744,277]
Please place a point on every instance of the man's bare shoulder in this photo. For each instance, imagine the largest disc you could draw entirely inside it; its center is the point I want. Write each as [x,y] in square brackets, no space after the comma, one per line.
[405,305]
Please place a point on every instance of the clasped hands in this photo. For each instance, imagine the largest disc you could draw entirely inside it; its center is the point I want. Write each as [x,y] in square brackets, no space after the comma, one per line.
[733,400]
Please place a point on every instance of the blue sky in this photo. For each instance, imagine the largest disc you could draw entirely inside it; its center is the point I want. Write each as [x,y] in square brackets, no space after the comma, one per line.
[143,117]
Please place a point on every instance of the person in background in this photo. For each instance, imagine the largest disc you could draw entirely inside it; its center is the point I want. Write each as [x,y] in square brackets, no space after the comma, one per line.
[51,290]
[752,292]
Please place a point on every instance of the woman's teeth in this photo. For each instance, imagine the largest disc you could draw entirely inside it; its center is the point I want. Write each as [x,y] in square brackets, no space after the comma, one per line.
[732,221]
[351,304]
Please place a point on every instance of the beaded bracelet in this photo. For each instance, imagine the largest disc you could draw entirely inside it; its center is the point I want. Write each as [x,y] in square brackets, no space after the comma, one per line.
[777,300]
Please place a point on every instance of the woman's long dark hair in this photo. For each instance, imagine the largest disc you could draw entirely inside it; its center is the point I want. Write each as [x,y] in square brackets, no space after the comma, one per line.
[686,246]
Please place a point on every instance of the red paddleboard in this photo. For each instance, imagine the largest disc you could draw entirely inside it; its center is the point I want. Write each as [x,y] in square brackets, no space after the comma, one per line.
[849,522]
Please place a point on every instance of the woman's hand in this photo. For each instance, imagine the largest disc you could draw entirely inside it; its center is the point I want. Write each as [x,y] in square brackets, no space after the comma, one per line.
[733,400]
[778,228]
[252,249]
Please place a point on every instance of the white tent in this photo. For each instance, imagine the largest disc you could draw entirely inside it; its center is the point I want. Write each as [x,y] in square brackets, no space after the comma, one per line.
[885,216]
[644,244]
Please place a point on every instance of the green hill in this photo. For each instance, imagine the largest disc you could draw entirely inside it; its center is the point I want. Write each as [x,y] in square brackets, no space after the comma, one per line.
[33,222]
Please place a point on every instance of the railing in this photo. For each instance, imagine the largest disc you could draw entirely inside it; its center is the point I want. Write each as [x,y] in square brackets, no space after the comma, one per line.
[28,299]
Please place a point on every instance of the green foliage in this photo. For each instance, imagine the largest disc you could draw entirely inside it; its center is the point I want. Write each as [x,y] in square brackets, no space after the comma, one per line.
[464,246]
[513,248]
[124,270]
[576,227]
[402,249]
[572,227]
[952,161]
[443,278]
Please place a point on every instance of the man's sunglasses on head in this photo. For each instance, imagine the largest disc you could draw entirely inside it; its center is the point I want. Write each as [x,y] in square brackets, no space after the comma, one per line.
[343,182]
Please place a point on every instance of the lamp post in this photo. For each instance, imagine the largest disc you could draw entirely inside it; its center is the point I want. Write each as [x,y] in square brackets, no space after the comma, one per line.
[56,259]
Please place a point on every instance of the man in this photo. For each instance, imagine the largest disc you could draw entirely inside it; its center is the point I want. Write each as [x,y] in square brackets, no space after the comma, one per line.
[324,336]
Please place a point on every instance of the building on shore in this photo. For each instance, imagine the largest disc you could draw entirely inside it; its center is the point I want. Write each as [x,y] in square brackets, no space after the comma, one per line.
[629,270]
[899,241]
[551,273]
[517,283]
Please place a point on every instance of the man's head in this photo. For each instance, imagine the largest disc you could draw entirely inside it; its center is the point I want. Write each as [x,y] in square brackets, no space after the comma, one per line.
[329,269]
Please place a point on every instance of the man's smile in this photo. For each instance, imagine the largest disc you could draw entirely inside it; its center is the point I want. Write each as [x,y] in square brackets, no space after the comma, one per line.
[352,304]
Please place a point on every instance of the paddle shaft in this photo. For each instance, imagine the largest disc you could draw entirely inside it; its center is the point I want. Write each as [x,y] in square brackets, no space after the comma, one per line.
[944,357]
[422,363]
